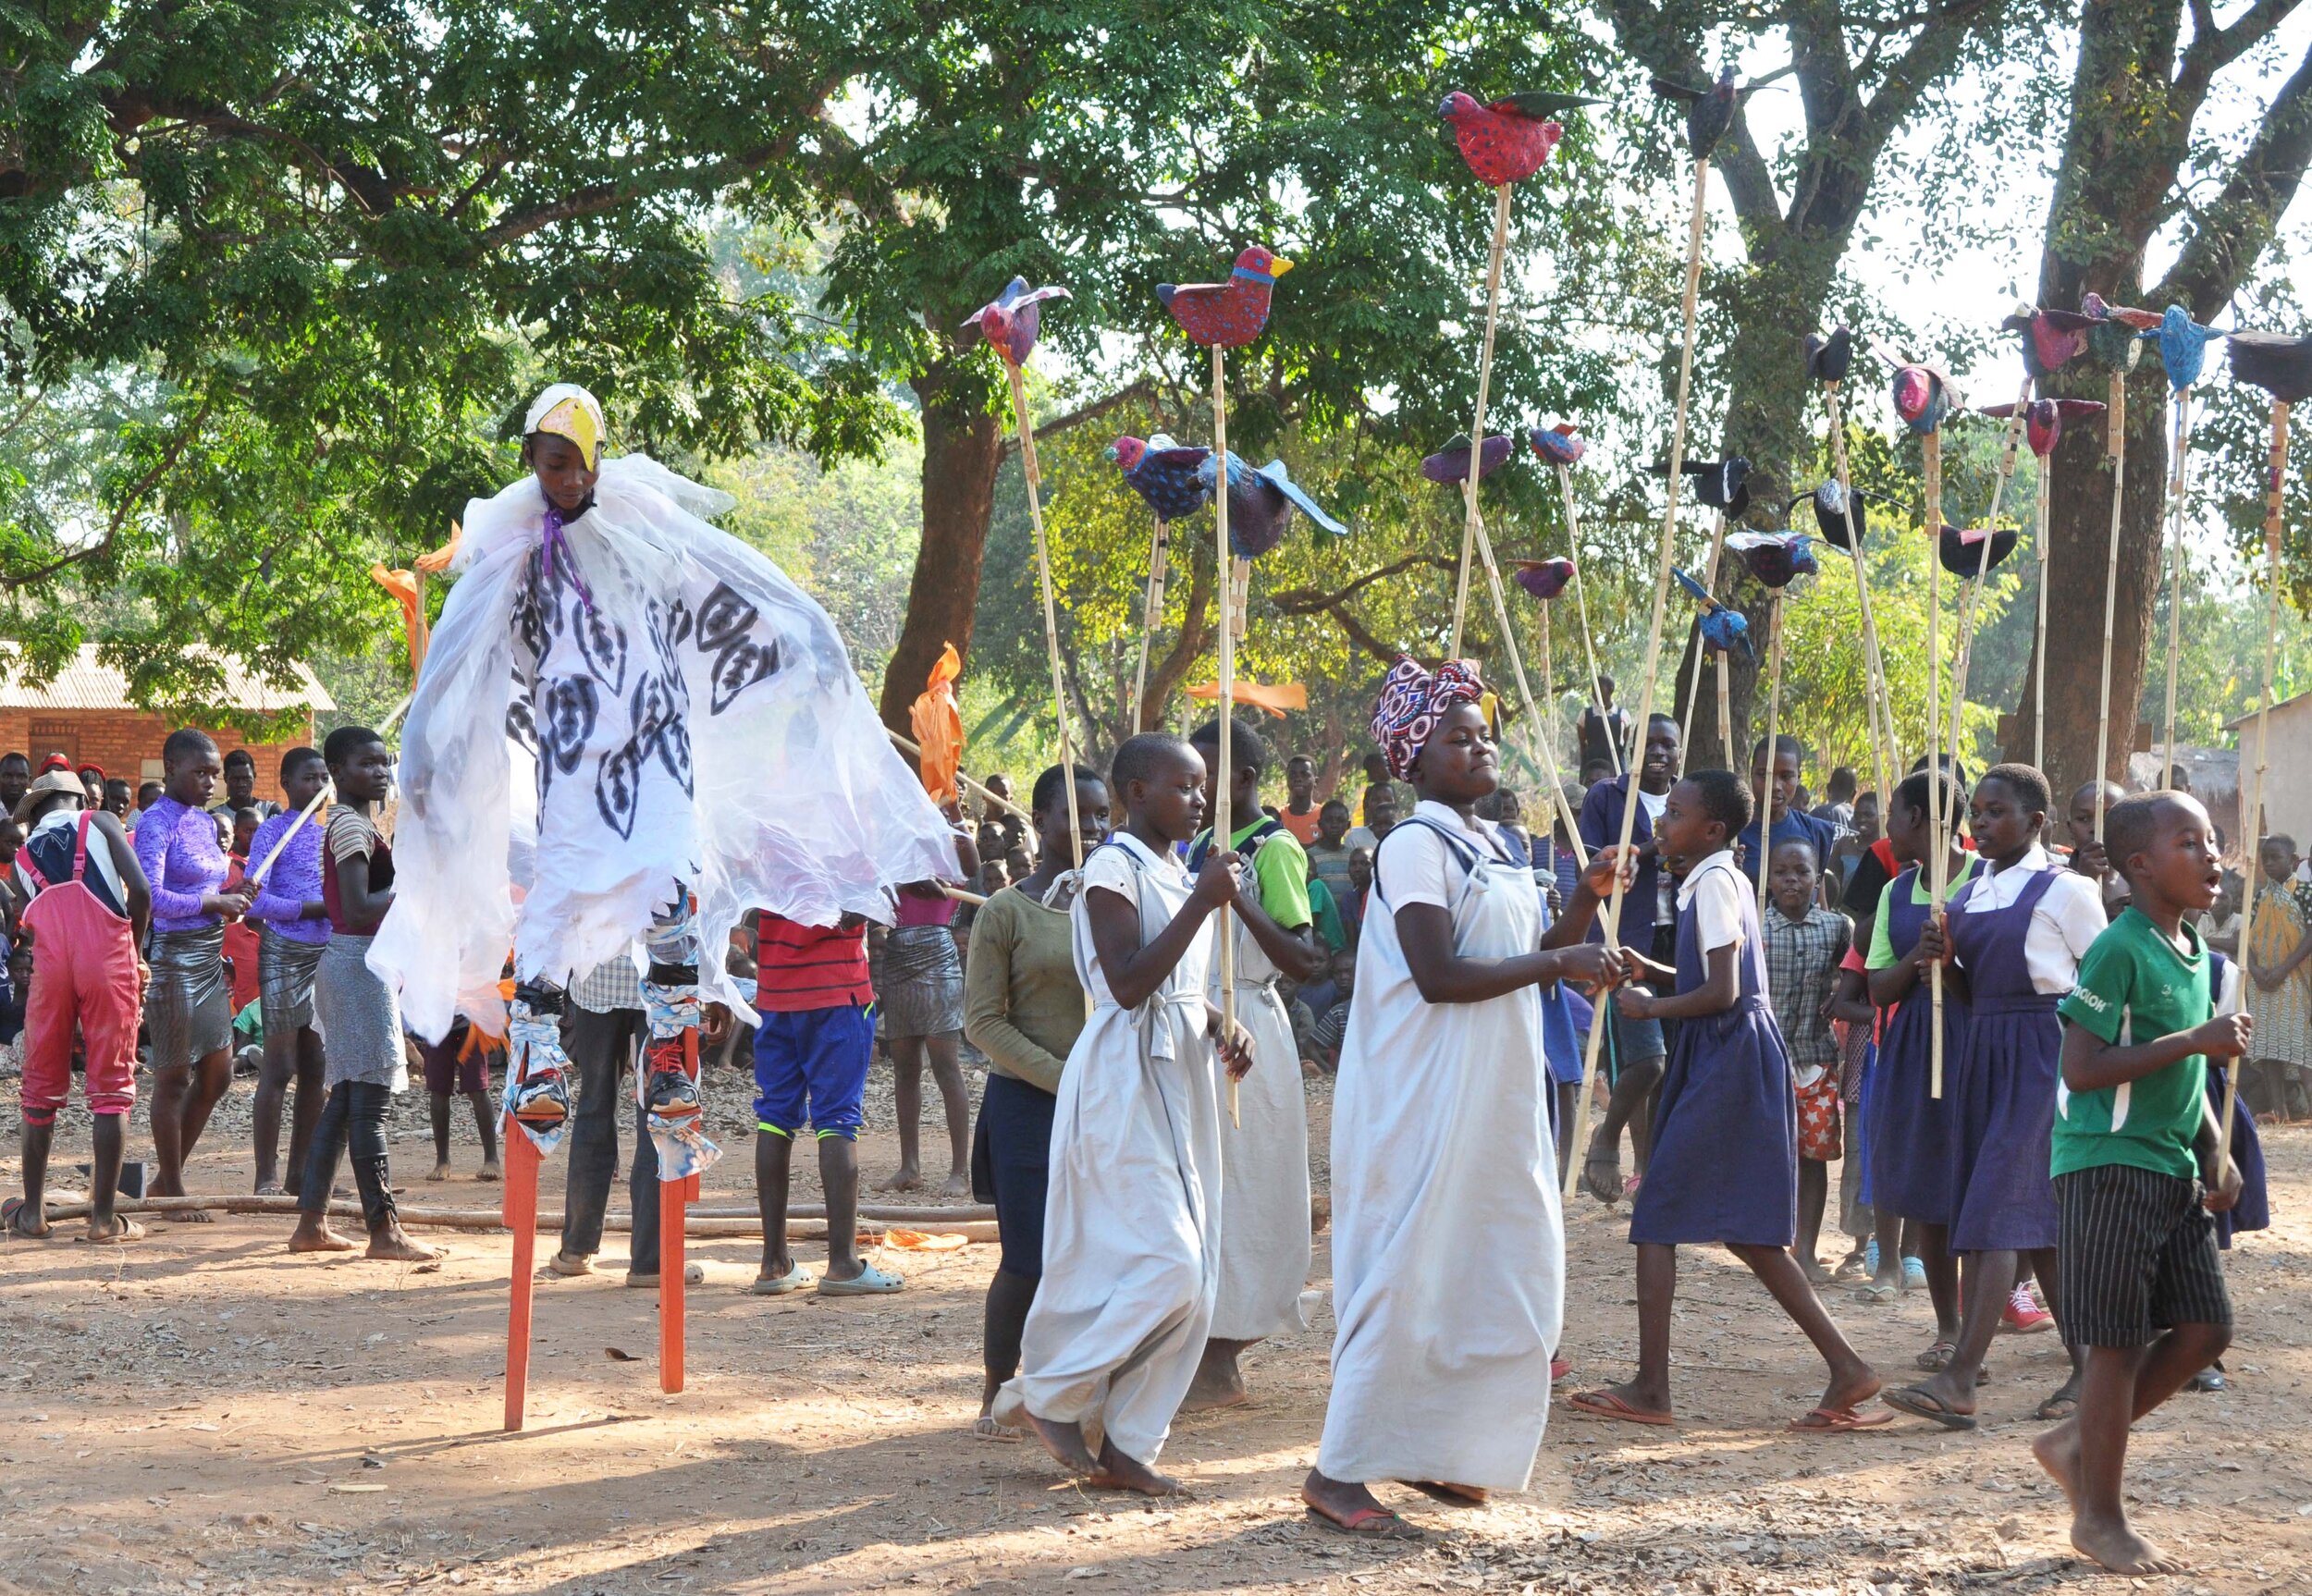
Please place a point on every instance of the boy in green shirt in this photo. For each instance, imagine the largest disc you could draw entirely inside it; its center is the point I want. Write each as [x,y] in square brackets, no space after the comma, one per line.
[2135,1164]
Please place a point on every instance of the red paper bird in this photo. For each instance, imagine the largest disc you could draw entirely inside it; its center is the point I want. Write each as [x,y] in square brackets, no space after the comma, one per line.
[1510,139]
[1012,320]
[1557,445]
[2051,337]
[1229,315]
[2043,420]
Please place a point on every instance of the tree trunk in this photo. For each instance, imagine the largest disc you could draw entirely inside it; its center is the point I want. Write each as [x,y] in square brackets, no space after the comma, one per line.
[961,450]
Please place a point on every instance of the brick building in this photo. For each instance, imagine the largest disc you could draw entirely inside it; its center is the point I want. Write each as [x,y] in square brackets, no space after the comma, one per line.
[85,714]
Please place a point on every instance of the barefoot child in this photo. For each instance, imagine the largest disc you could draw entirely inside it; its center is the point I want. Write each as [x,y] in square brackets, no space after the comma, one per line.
[1725,1163]
[1265,1241]
[357,1011]
[1911,1131]
[1131,1264]
[1449,1249]
[292,929]
[87,904]
[1805,944]
[2019,926]
[457,1067]
[2134,1166]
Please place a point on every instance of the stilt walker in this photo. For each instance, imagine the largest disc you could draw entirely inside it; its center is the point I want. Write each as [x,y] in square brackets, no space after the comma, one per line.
[1175,483]
[1775,560]
[1923,398]
[1221,316]
[2282,368]
[2114,342]
[2182,351]
[645,664]
[1558,446]
[1709,114]
[1504,143]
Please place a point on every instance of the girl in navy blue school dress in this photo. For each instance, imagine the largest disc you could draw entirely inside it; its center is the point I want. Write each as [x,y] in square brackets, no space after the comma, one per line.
[1725,1165]
[2018,926]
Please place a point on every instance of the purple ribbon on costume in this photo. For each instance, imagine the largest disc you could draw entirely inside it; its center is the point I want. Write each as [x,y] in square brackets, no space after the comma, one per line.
[555,538]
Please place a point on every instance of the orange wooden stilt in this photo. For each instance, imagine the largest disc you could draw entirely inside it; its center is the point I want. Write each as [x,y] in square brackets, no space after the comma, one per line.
[674,1201]
[520,1212]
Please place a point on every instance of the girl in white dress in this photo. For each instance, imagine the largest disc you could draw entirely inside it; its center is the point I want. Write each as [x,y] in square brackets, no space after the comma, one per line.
[1448,1251]
[1131,1252]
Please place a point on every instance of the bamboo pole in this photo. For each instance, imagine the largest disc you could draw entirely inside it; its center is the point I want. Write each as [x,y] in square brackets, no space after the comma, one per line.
[1050,616]
[1879,712]
[2039,646]
[1577,1150]
[1931,458]
[2179,484]
[1477,428]
[1548,760]
[1224,828]
[1582,605]
[1725,710]
[1969,608]
[1774,730]
[328,790]
[1694,672]
[2275,480]
[1159,557]
[907,745]
[2115,449]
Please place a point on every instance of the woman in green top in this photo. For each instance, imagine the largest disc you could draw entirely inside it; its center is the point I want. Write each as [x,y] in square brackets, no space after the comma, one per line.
[1023,1007]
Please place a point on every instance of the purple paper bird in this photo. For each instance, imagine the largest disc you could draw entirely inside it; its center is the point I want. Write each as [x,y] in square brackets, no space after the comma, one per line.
[1776,558]
[1228,315]
[2281,366]
[1509,140]
[2044,419]
[1013,318]
[1962,552]
[1164,474]
[1260,505]
[1557,445]
[1450,464]
[1830,513]
[1709,112]
[1723,627]
[1544,579]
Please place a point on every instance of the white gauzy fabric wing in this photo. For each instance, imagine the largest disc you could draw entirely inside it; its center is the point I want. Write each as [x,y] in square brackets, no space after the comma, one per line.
[697,722]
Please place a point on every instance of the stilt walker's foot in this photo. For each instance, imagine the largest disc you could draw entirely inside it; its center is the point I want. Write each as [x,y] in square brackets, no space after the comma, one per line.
[537,1083]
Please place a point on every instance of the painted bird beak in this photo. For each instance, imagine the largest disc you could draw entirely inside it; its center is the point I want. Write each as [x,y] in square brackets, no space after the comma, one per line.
[1279,266]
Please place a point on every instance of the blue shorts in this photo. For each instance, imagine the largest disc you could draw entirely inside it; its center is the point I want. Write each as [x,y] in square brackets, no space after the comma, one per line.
[811,1069]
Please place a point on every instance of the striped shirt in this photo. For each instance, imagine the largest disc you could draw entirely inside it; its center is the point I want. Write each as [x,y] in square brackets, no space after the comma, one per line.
[801,967]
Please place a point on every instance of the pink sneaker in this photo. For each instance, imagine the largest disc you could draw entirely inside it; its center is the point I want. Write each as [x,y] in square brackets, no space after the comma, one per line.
[2024,1315]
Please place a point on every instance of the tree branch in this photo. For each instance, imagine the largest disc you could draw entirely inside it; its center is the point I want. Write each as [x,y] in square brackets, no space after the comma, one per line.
[1138,389]
[2236,227]
[121,511]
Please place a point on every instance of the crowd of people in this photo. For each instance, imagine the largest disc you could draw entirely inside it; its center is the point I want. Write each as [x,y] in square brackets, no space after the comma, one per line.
[1767,1005]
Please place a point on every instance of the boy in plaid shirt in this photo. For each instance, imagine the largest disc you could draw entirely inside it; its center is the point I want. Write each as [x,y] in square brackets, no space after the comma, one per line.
[1804,943]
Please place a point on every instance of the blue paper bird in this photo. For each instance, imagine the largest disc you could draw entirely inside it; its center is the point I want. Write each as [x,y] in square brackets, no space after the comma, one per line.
[1722,628]
[2182,347]
[1164,474]
[1260,505]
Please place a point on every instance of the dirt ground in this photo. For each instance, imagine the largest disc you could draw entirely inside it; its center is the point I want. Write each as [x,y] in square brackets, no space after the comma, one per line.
[201,1412]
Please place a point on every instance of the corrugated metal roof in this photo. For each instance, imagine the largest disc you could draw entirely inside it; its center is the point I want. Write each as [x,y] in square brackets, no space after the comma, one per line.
[88,684]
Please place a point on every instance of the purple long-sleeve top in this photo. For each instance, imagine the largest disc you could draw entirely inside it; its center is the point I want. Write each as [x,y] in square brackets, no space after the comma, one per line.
[178,850]
[295,880]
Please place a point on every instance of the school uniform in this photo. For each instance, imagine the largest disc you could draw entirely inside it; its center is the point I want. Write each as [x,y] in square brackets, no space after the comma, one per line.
[1441,1154]
[1132,1223]
[2019,933]
[1911,1129]
[1265,1243]
[1724,1164]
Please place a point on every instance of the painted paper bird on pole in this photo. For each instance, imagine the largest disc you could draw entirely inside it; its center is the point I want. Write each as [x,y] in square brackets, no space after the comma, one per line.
[1775,560]
[1221,316]
[1563,449]
[1503,143]
[2043,429]
[2184,351]
[2114,343]
[1010,323]
[1165,476]
[1828,359]
[1710,110]
[1722,628]
[2282,367]
[1723,486]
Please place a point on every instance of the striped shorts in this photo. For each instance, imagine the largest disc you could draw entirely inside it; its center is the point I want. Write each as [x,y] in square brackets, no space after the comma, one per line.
[2136,1254]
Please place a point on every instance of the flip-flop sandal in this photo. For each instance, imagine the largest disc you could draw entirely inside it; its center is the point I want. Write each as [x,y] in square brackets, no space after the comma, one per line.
[1558,1370]
[1920,1405]
[1438,1490]
[2056,1409]
[11,1210]
[870,1281]
[1378,1523]
[1937,1357]
[797,1279]
[1876,1293]
[1606,1191]
[986,1428]
[1606,1404]
[124,1229]
[1837,1421]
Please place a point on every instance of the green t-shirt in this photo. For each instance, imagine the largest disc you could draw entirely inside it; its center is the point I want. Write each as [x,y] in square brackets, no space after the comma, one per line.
[1327,915]
[2134,987]
[1883,955]
[1281,866]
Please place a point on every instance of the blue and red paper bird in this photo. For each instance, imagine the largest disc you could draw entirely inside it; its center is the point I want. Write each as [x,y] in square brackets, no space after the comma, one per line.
[1013,318]
[1723,627]
[1228,315]
[1451,463]
[1169,475]
[1557,444]
[1924,397]
[1776,558]
[1509,140]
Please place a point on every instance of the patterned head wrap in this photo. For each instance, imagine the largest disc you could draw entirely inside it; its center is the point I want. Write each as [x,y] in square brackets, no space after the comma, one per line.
[568,411]
[1413,700]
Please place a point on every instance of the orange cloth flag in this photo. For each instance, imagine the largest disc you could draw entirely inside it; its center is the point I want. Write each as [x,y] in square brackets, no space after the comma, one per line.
[1276,698]
[437,560]
[939,727]
[403,586]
